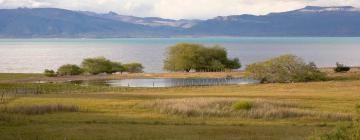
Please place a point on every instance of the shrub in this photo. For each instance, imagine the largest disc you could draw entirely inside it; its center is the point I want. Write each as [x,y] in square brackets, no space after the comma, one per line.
[343,131]
[284,69]
[242,105]
[134,67]
[69,69]
[341,68]
[187,57]
[49,73]
[97,65]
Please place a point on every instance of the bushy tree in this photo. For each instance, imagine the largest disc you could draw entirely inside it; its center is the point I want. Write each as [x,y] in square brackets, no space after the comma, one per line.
[234,64]
[69,69]
[49,73]
[186,57]
[181,57]
[284,69]
[97,65]
[117,67]
[133,67]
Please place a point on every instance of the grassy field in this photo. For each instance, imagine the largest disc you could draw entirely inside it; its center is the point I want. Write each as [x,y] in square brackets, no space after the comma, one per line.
[17,76]
[135,113]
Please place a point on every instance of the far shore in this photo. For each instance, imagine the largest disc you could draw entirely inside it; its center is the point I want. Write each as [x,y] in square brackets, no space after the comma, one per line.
[38,77]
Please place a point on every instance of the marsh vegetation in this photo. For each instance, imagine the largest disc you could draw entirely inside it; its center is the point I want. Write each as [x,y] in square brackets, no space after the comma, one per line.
[241,108]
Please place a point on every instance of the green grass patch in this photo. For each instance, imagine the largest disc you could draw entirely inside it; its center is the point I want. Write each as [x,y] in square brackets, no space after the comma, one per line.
[39,109]
[47,88]
[14,76]
[242,105]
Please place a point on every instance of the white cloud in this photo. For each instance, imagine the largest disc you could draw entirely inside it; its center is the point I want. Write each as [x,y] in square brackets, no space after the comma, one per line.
[178,9]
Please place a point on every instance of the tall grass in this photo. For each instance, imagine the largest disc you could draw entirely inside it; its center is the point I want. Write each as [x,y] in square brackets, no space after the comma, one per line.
[229,107]
[39,109]
[6,97]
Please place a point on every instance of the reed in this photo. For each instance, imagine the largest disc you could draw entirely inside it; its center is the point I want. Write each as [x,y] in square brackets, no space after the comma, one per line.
[235,107]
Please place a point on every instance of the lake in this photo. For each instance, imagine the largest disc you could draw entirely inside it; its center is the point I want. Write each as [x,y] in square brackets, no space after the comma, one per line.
[35,55]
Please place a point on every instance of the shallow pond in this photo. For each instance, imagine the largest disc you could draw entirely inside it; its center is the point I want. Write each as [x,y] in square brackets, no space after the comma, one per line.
[149,83]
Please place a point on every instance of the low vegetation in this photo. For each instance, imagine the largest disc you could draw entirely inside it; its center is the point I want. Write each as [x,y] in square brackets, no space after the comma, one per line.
[39,109]
[225,107]
[343,131]
[187,57]
[242,105]
[16,76]
[284,69]
[111,114]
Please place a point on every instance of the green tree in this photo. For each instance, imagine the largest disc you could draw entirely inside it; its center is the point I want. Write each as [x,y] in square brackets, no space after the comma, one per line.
[181,57]
[134,67]
[117,67]
[233,64]
[97,65]
[216,65]
[69,69]
[49,73]
[284,69]
[186,57]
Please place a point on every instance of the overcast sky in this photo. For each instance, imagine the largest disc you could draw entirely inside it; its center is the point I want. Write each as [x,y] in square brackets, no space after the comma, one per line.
[179,9]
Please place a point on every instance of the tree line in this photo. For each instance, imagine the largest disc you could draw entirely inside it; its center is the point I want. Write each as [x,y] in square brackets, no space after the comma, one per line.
[93,66]
[186,57]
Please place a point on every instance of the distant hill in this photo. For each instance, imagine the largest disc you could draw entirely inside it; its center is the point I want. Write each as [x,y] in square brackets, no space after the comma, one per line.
[52,22]
[309,21]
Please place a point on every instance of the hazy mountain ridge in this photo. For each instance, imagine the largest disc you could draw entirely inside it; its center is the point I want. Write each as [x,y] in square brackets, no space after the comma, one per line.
[341,22]
[147,21]
[52,22]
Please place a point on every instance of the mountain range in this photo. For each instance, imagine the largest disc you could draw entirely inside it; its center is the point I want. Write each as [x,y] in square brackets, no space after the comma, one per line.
[61,23]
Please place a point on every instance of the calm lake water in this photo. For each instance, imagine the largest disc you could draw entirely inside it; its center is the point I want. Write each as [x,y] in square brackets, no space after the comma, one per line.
[35,55]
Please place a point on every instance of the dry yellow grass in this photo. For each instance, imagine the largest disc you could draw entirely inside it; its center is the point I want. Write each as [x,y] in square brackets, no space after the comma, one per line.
[39,109]
[223,107]
[353,73]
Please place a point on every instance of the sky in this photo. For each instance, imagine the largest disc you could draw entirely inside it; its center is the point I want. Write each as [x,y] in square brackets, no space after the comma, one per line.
[178,9]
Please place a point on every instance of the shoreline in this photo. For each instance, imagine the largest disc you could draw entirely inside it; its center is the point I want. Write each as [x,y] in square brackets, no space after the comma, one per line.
[37,77]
